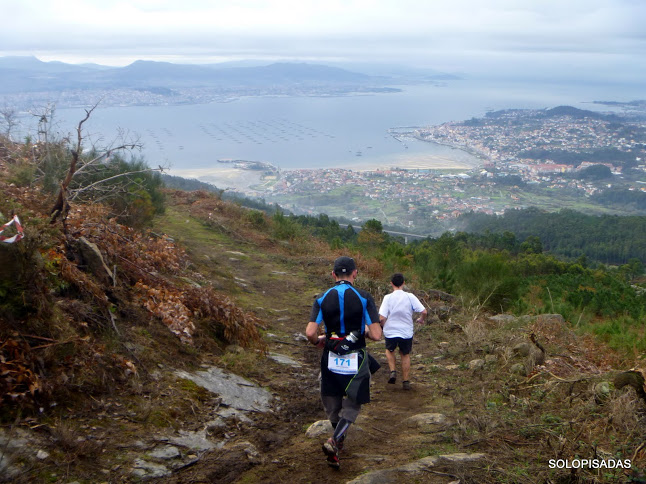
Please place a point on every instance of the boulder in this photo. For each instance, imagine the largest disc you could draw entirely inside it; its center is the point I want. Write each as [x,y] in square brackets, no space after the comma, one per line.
[93,260]
[490,359]
[503,318]
[319,429]
[601,391]
[518,369]
[550,318]
[477,364]
[522,349]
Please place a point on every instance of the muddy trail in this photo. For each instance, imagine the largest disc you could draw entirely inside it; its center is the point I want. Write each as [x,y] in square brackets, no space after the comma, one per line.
[280,289]
[384,436]
[495,398]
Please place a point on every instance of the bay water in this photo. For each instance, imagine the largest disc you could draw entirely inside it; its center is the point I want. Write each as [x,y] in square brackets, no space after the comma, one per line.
[351,131]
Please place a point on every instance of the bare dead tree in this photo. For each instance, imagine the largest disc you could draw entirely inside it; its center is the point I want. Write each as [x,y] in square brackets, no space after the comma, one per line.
[97,189]
[8,119]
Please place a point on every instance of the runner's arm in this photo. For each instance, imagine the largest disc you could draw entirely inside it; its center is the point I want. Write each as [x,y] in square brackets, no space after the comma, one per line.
[422,316]
[312,333]
[374,331]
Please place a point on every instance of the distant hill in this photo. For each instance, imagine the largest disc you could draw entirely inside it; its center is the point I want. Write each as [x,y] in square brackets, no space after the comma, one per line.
[551,113]
[20,74]
[29,74]
[576,113]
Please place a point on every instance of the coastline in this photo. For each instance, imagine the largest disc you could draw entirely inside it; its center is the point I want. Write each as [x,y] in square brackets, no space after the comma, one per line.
[224,177]
[232,177]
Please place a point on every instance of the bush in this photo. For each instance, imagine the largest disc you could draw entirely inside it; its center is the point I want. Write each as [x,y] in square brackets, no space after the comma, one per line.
[286,228]
[257,219]
[487,280]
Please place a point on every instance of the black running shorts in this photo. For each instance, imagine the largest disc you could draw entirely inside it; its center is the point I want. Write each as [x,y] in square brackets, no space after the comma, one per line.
[405,345]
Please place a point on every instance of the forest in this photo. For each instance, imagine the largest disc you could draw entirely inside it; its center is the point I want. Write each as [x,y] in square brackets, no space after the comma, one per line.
[607,239]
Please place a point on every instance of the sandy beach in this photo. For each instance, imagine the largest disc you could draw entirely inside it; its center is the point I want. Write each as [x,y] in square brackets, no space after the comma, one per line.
[236,179]
[223,176]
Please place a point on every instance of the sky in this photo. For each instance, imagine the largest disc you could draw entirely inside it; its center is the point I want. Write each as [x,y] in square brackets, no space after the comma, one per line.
[603,39]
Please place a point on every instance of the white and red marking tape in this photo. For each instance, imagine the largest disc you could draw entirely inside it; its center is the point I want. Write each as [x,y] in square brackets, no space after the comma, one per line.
[14,238]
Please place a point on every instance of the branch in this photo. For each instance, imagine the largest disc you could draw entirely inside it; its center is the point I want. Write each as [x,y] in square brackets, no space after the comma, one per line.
[125,146]
[92,185]
[61,201]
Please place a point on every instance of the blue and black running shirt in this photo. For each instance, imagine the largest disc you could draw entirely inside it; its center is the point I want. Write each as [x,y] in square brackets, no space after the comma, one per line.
[343,309]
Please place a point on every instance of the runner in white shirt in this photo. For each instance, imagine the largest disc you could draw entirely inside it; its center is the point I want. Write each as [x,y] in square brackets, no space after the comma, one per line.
[396,317]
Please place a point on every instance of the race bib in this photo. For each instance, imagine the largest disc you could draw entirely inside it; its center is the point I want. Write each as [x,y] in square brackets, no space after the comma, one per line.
[343,365]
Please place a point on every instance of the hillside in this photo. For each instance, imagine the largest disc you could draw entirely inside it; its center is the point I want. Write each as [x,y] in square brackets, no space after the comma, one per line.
[26,79]
[105,368]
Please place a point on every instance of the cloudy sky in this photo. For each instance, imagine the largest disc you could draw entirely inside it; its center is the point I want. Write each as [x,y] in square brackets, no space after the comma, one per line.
[569,38]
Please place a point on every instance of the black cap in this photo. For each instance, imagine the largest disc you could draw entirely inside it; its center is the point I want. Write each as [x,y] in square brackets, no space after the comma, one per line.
[344,265]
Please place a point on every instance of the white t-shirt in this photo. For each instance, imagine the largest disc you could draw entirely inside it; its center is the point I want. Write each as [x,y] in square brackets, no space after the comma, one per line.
[398,308]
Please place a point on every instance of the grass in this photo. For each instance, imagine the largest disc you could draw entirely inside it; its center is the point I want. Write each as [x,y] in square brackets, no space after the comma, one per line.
[622,334]
[445,447]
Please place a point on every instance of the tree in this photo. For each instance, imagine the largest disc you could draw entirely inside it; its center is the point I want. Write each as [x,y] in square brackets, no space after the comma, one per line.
[372,235]
[532,245]
[596,172]
[395,258]
[374,225]
[8,120]
[101,175]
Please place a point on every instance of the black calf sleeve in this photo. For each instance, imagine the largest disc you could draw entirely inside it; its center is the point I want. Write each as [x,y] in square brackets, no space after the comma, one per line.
[340,429]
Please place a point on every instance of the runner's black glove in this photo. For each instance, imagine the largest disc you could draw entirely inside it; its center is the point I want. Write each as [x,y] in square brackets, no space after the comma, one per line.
[343,346]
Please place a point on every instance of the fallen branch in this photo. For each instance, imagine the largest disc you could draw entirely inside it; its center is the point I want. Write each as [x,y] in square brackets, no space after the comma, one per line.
[641,446]
[57,343]
[442,474]
[35,337]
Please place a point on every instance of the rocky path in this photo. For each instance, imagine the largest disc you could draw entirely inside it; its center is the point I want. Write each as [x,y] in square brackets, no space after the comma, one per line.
[397,434]
[479,411]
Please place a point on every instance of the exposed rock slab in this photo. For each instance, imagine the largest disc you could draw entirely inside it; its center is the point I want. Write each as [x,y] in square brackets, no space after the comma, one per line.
[427,420]
[149,470]
[397,474]
[234,390]
[197,441]
[284,360]
[165,453]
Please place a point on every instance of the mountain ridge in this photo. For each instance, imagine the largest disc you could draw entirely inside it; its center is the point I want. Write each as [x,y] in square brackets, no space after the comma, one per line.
[28,74]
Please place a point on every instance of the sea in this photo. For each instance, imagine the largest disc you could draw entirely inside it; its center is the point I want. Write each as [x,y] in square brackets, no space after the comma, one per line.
[309,132]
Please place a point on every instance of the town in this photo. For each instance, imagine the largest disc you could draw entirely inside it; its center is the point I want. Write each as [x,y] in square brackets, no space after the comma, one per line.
[517,171]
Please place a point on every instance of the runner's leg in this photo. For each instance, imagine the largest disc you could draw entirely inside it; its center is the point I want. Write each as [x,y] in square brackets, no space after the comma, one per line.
[392,360]
[332,406]
[406,367]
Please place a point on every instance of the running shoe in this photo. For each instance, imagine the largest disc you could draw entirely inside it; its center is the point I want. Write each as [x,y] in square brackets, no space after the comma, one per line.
[331,449]
[393,377]
[406,385]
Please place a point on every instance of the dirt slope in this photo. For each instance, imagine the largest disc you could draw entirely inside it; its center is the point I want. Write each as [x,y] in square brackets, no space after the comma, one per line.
[518,419]
[496,392]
